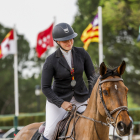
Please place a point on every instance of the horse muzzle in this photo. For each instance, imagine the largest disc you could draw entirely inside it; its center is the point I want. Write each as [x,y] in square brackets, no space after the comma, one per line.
[123,129]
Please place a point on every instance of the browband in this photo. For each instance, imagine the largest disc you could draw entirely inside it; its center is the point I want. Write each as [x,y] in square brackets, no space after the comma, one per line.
[110,80]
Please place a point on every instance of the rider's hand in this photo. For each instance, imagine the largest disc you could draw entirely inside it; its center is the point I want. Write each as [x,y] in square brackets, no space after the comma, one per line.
[67,106]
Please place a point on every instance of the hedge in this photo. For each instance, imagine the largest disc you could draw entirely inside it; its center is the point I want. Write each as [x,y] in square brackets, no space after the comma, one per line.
[25,119]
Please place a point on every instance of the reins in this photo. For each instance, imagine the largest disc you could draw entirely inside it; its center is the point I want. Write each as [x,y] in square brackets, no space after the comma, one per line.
[109,119]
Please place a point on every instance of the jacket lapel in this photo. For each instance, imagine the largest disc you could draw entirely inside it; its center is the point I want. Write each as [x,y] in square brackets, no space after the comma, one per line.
[62,60]
[75,58]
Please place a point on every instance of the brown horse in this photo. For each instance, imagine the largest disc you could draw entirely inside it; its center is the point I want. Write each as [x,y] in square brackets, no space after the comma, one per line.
[107,105]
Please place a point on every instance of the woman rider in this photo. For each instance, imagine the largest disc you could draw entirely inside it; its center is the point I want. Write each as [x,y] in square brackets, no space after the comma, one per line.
[66,65]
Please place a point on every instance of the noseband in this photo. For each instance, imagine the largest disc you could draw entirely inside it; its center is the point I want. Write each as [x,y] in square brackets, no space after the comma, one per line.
[110,119]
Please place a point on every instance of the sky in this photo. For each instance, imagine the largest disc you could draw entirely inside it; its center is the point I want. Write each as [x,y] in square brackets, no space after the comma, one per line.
[33,16]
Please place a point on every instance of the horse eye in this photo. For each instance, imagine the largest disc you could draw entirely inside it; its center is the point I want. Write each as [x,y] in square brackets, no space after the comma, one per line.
[105,92]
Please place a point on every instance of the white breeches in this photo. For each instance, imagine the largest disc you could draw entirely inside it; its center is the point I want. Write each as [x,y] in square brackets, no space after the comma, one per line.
[54,114]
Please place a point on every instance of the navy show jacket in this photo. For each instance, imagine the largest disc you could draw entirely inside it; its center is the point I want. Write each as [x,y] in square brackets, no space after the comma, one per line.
[57,67]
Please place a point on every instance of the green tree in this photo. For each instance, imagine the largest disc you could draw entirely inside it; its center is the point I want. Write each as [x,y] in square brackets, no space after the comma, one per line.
[120,30]
[122,22]
[27,98]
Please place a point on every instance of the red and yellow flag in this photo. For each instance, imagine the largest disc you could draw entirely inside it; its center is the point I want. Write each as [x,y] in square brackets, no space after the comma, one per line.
[7,46]
[91,33]
[0,53]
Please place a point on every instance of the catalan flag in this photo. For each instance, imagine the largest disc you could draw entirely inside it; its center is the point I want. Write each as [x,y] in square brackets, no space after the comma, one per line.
[91,33]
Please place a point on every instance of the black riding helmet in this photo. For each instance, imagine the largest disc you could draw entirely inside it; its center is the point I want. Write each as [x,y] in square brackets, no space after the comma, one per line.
[62,32]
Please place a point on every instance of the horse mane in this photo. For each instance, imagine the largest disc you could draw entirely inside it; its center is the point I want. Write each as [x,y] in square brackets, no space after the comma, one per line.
[93,79]
[110,72]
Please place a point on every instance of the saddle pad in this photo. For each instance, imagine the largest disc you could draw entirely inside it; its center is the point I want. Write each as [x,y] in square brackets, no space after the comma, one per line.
[60,130]
[36,136]
[60,127]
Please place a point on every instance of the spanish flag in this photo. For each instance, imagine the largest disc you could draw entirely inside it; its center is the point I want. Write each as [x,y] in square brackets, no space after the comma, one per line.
[91,33]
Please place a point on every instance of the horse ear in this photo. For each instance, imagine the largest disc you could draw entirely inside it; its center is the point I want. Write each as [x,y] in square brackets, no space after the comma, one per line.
[103,69]
[121,68]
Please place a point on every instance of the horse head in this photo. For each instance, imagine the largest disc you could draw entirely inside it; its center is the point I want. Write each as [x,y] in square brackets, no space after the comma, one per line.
[112,98]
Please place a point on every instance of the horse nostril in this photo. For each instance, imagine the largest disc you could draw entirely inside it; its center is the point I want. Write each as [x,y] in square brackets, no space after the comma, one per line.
[120,126]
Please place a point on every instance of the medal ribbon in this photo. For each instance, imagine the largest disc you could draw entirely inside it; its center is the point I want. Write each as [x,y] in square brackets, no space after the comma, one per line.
[72,73]
[71,69]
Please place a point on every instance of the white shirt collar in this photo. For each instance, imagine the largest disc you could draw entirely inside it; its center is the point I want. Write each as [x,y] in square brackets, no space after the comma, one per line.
[65,53]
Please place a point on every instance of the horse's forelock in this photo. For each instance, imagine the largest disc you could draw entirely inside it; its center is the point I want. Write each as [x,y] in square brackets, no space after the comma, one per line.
[110,72]
[93,79]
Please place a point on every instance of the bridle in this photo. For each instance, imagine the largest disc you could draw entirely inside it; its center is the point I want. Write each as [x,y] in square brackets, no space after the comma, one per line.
[110,120]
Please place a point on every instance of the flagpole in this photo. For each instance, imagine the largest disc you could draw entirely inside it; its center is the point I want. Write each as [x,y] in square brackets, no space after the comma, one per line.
[55,45]
[16,82]
[100,35]
[54,21]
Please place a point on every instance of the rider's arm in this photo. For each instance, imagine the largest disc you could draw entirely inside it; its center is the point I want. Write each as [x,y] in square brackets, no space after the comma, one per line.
[89,69]
[46,81]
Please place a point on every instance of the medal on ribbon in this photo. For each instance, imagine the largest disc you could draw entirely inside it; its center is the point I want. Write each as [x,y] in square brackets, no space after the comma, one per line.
[73,82]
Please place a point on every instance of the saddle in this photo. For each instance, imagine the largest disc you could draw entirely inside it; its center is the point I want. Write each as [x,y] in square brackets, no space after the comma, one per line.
[60,130]
[62,126]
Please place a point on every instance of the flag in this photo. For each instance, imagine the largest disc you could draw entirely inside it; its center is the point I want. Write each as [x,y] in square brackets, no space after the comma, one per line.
[91,33]
[44,39]
[138,39]
[8,45]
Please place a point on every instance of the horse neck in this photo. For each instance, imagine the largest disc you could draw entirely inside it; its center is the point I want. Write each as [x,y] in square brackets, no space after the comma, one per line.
[91,109]
[92,112]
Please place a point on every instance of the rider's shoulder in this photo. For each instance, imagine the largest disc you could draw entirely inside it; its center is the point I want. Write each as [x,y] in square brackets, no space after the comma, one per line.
[80,51]
[51,56]
[78,48]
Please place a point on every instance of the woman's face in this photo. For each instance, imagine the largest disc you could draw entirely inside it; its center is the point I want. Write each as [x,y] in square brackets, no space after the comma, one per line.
[67,45]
